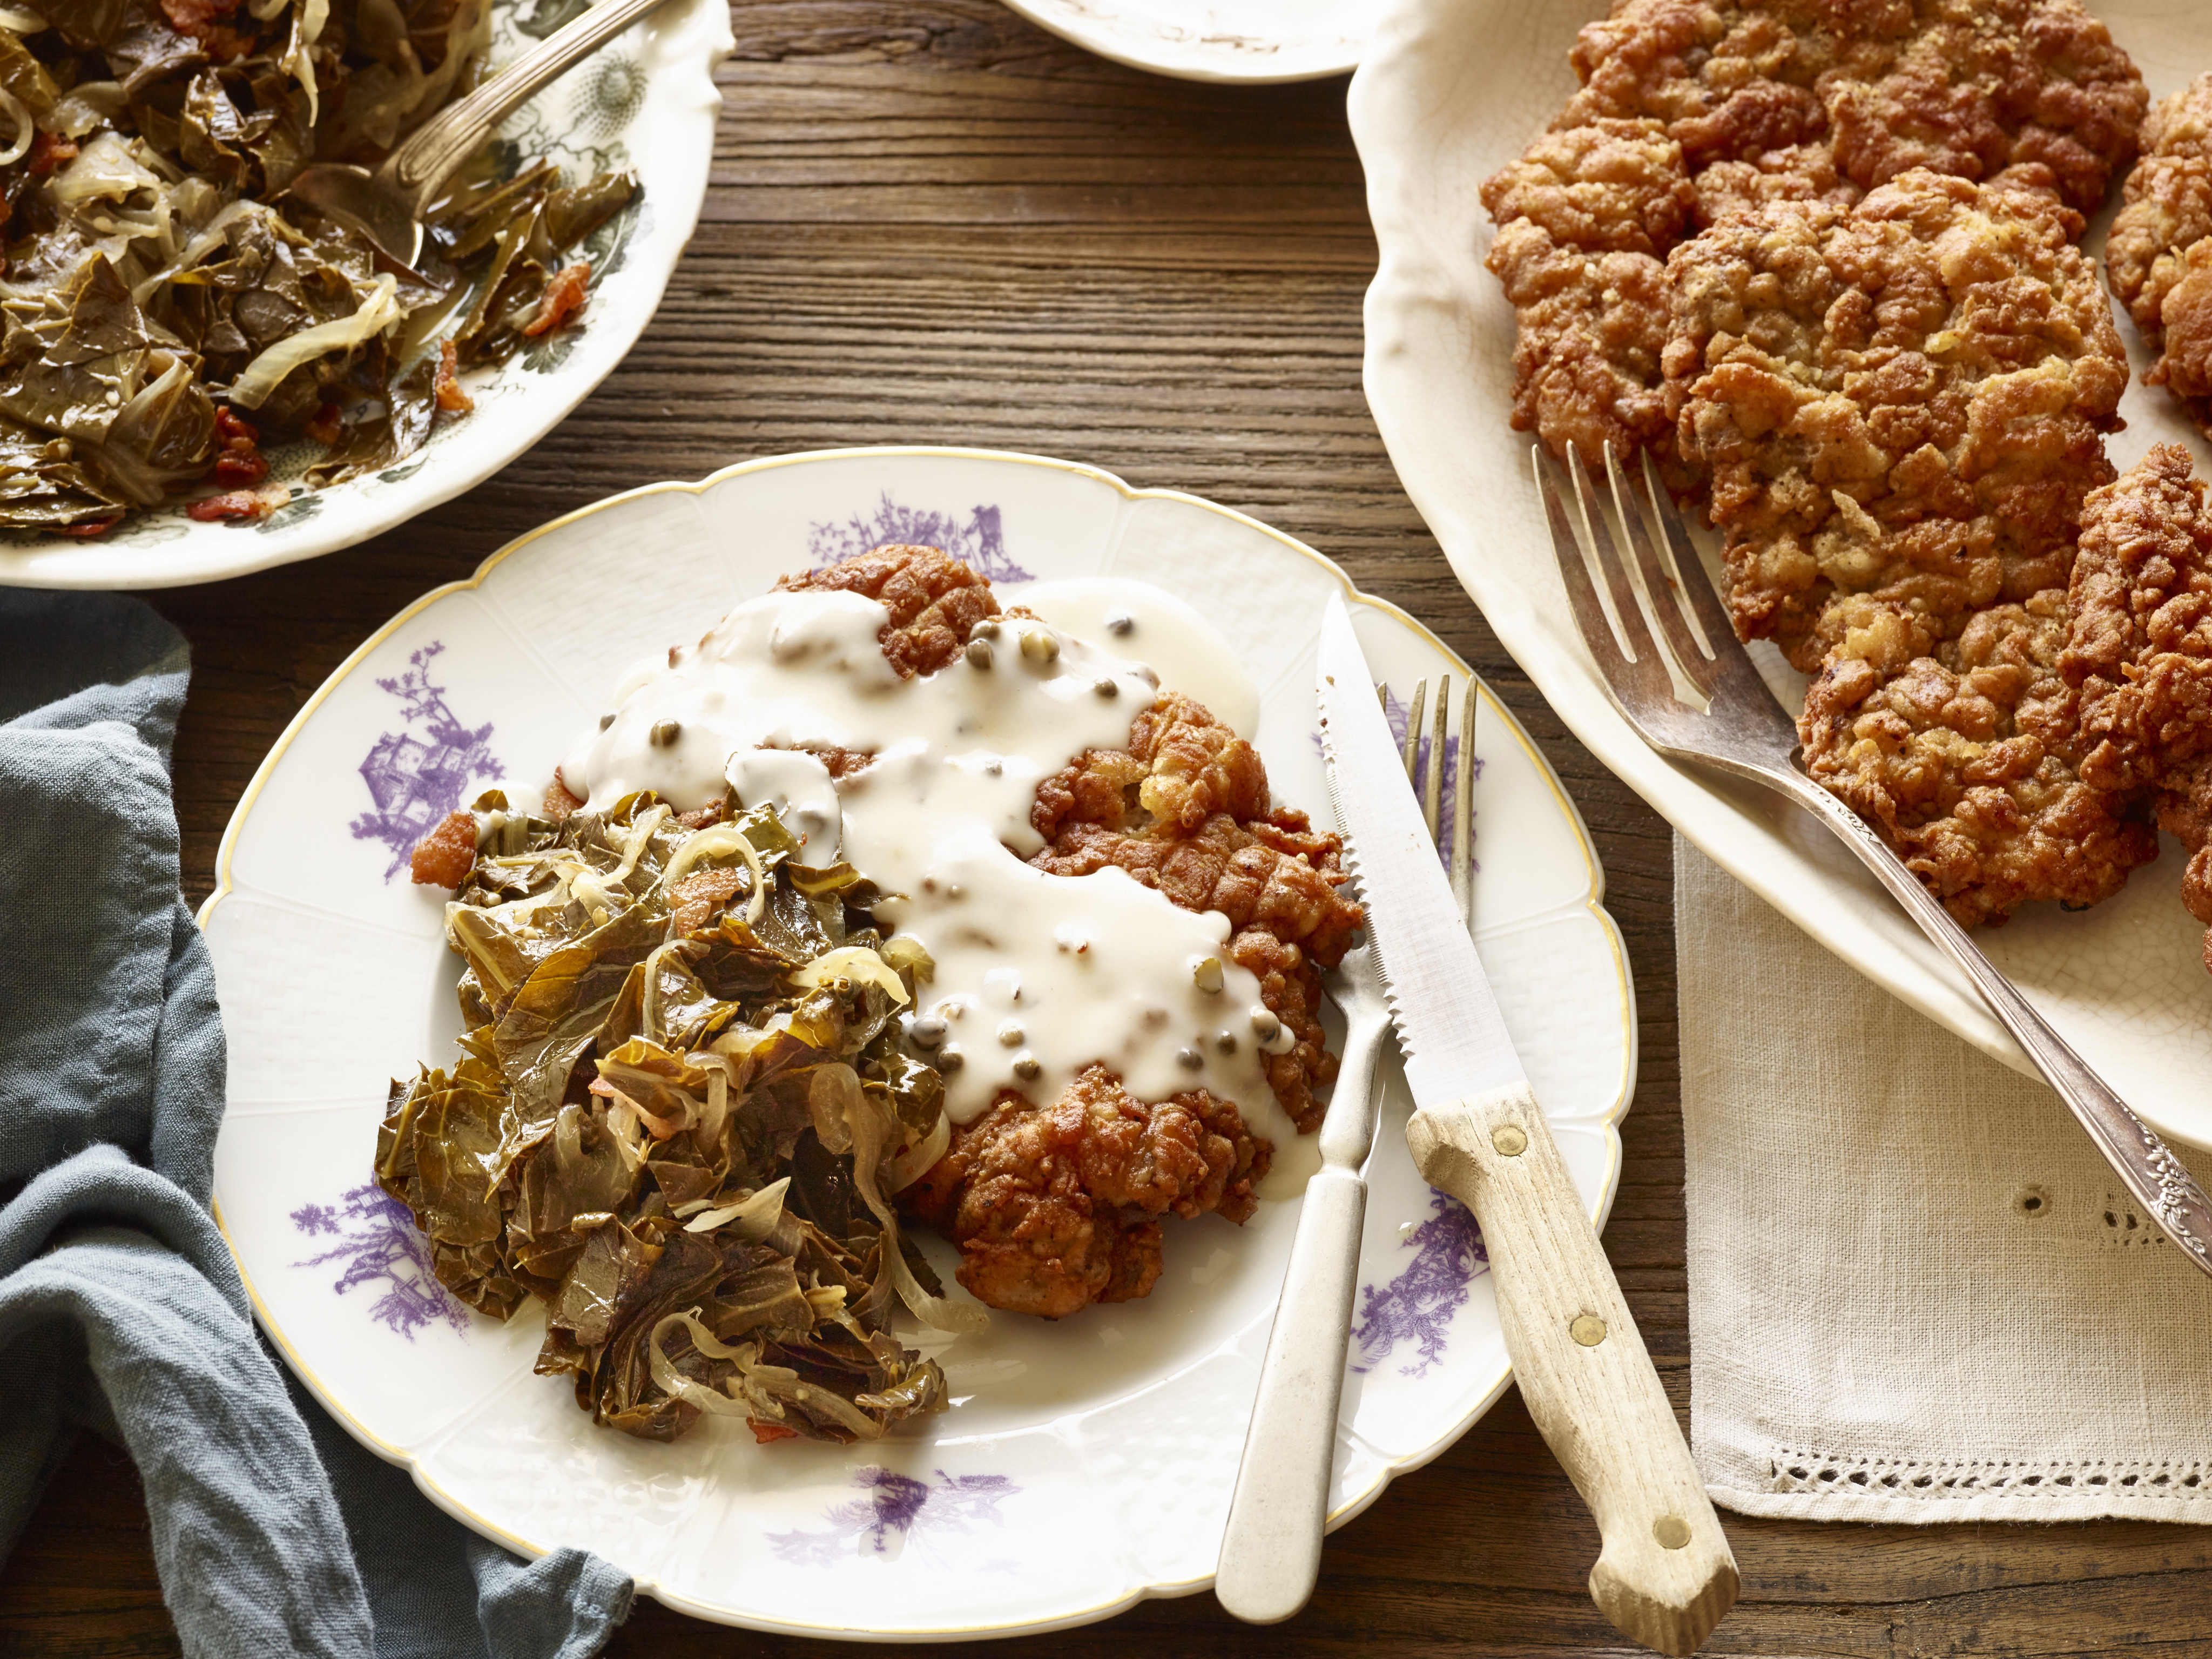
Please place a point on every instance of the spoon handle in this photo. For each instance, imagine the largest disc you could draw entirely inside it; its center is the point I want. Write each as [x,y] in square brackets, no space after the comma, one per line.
[1271,1550]
[429,154]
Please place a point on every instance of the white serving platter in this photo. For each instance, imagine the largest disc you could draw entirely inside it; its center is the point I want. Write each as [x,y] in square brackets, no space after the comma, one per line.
[1450,90]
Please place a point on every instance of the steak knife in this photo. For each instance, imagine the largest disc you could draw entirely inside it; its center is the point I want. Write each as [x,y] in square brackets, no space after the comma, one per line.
[1664,1575]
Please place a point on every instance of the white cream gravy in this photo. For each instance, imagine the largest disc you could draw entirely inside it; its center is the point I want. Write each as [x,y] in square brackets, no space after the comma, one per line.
[1037,977]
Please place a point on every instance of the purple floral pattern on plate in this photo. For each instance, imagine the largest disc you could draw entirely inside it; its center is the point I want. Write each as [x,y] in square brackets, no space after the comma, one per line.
[980,542]
[1418,1305]
[378,1244]
[417,775]
[892,1506]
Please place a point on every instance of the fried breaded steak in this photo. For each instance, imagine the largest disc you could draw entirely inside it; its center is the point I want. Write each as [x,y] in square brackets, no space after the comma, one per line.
[934,598]
[2159,253]
[1055,1205]
[1691,111]
[1053,1209]
[1904,400]
[2139,652]
[1966,754]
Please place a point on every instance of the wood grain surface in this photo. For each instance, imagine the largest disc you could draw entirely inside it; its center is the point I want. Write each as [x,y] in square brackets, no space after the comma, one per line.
[930,222]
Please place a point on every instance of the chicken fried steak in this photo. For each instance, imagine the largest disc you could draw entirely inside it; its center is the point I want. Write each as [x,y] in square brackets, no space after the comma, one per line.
[2141,652]
[2158,254]
[1905,400]
[1966,754]
[1058,1206]
[1692,111]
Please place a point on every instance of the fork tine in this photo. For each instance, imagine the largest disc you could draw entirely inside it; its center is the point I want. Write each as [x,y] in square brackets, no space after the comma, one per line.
[1463,847]
[1413,747]
[1574,569]
[1647,677]
[1628,616]
[1662,582]
[1432,773]
[1709,616]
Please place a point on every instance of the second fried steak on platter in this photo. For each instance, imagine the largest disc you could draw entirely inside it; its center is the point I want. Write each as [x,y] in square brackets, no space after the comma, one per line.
[1900,407]
[1691,110]
[1904,400]
[2160,249]
[2140,651]
[1057,1204]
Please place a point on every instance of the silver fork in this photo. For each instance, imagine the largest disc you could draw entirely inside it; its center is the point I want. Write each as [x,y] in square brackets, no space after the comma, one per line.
[1742,730]
[1271,1550]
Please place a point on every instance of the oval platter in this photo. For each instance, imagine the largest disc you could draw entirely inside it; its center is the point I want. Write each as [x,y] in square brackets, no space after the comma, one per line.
[1450,90]
[1084,1465]
[647,101]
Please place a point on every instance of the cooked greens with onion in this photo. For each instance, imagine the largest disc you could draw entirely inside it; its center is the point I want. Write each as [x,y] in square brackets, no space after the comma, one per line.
[680,1116]
[171,314]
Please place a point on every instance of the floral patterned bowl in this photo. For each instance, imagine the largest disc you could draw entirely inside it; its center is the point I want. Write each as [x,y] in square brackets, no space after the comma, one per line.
[647,102]
[1084,1464]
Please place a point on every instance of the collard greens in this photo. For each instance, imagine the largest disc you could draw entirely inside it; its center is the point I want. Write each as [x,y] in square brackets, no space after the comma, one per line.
[166,309]
[680,1116]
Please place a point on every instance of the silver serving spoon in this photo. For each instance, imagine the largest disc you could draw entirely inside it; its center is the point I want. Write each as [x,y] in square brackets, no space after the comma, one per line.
[386,205]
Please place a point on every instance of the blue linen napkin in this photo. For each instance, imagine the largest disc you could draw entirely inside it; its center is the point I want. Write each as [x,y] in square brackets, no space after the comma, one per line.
[120,1309]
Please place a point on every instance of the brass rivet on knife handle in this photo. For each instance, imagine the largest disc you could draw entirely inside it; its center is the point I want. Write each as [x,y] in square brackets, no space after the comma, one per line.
[1664,1575]
[1511,1139]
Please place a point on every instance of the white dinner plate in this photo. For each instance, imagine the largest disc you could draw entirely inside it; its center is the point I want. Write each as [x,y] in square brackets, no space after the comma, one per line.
[1086,1464]
[645,100]
[1448,92]
[1248,40]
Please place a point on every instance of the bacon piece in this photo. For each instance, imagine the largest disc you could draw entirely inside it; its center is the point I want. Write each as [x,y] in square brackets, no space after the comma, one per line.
[49,151]
[445,856]
[452,397]
[564,298]
[237,506]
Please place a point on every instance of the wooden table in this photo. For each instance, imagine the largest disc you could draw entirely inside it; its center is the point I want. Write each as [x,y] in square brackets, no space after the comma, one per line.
[932,223]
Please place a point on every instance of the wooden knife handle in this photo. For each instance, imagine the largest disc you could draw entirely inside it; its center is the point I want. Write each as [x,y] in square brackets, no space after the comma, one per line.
[1664,1575]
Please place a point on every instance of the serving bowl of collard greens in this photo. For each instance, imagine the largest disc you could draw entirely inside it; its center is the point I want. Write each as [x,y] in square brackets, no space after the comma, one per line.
[200,376]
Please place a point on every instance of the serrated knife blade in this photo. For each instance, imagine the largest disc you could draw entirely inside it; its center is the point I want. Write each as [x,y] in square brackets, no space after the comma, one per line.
[1455,1040]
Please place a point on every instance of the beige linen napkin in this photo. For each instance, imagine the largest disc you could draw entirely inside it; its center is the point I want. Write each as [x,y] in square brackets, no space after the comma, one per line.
[1915,1293]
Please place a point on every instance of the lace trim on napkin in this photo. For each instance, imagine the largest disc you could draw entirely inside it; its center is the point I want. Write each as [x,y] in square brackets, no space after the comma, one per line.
[1797,1471]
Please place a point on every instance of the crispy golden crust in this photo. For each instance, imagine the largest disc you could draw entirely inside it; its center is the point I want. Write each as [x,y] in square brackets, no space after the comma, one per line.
[1964,87]
[2159,253]
[1966,759]
[1754,101]
[1057,1206]
[934,598]
[1181,767]
[1585,219]
[1904,400]
[2141,652]
[2141,604]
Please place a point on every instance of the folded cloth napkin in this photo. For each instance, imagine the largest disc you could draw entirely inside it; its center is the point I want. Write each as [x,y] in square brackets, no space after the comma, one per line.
[121,1308]
[1916,1292]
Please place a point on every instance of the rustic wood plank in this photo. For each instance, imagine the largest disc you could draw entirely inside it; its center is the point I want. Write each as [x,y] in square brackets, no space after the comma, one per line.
[930,222]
